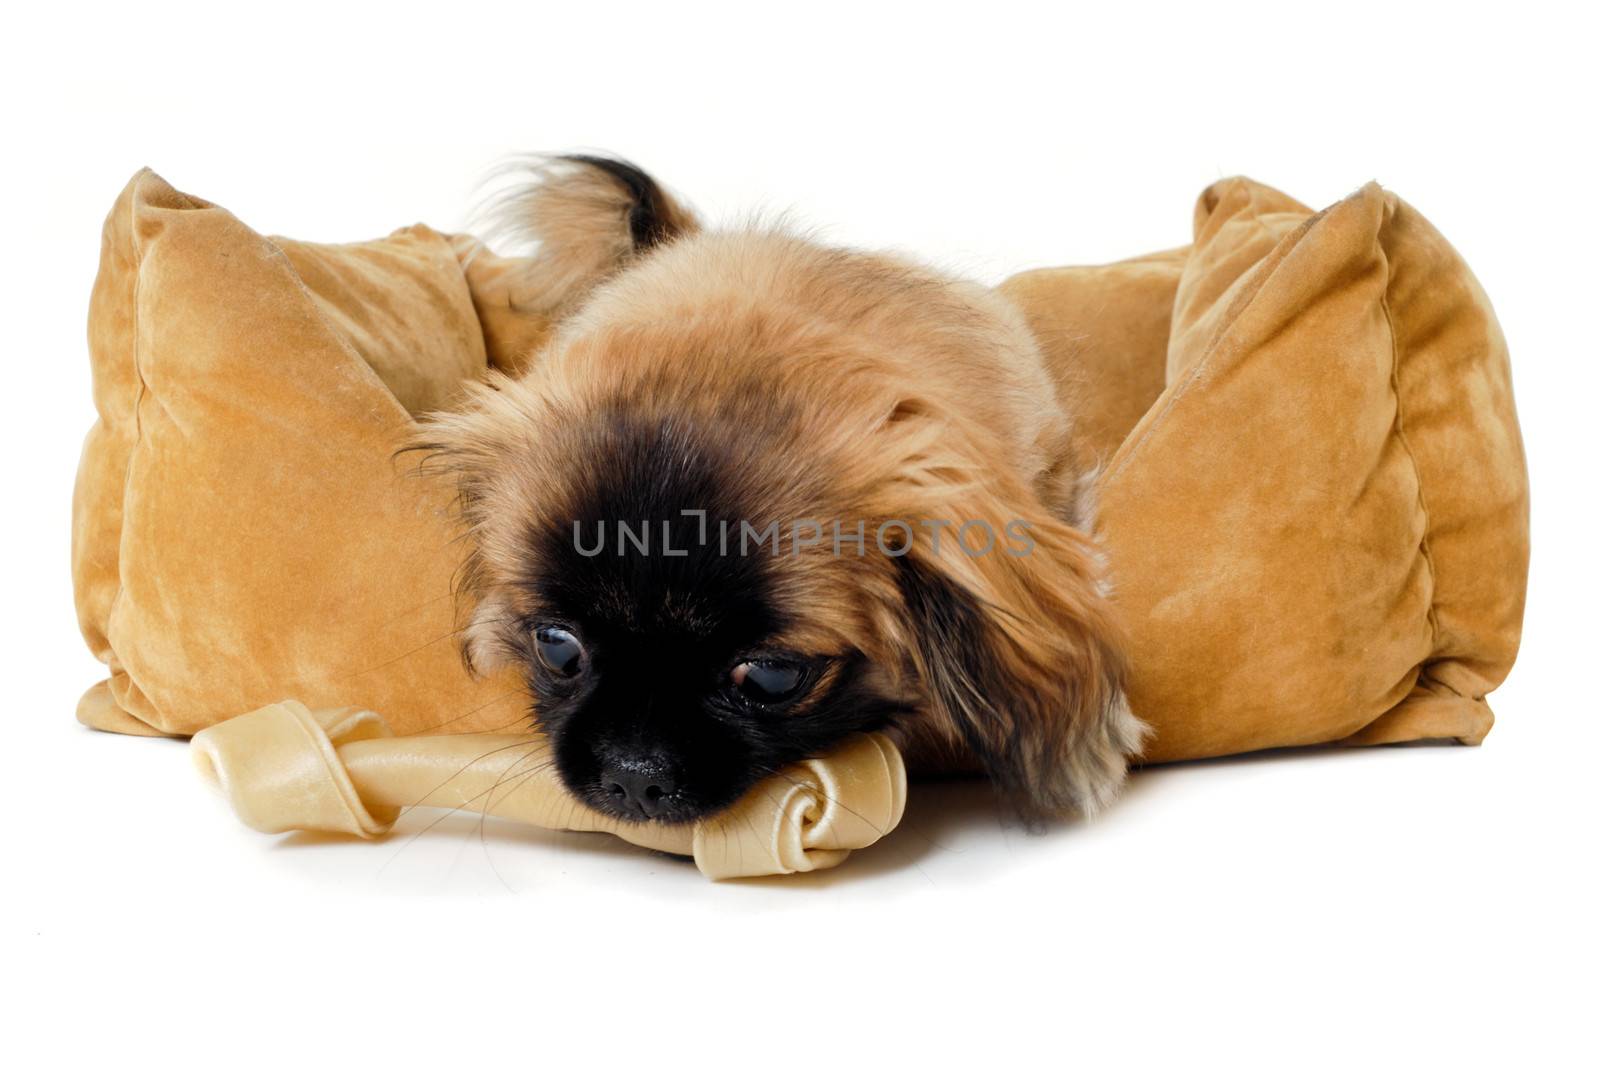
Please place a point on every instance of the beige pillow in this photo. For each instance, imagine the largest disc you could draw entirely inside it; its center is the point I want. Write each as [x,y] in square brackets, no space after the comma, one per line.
[242,532]
[1320,530]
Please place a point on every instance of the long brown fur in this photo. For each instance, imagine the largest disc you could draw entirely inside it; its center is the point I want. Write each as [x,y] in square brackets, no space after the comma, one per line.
[844,385]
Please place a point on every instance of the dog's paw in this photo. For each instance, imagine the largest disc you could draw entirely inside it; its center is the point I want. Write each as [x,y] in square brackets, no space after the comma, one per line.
[1092,765]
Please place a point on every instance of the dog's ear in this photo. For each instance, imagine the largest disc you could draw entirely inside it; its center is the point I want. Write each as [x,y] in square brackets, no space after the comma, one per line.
[589,216]
[485,450]
[1018,651]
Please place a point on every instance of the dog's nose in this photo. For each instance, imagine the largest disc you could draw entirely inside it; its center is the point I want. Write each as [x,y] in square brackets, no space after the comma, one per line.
[644,786]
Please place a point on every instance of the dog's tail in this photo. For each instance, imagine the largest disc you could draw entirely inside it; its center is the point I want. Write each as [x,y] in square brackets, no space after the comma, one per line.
[588,216]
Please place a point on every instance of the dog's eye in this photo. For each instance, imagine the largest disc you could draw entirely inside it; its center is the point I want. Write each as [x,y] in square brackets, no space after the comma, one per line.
[767,681]
[559,650]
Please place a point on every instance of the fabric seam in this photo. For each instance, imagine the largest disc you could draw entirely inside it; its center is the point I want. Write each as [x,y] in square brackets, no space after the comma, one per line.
[141,390]
[1424,546]
[370,373]
[1183,387]
[1179,389]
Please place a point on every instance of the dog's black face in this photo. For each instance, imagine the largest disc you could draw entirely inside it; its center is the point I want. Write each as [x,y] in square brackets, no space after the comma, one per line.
[659,667]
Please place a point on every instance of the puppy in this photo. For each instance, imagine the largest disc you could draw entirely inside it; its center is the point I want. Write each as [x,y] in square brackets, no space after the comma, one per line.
[755,494]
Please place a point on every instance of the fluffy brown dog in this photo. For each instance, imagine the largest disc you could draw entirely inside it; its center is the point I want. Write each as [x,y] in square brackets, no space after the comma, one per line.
[756,494]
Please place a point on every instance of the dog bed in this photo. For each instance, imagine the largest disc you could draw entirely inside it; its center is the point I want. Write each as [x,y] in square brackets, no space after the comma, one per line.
[1312,493]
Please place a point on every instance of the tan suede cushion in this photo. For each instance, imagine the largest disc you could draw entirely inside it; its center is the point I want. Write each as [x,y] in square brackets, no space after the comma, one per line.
[241,530]
[1320,530]
[1314,496]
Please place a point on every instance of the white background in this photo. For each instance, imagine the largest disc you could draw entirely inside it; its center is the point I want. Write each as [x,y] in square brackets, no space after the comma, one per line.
[1433,903]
